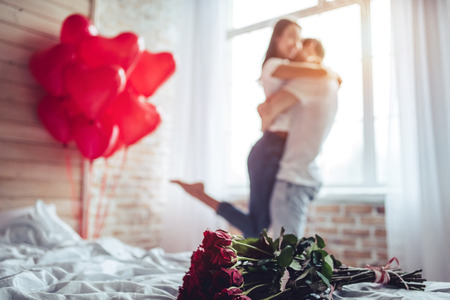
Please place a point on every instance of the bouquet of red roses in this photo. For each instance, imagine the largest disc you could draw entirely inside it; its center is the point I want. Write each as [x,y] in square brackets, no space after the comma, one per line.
[234,268]
[213,273]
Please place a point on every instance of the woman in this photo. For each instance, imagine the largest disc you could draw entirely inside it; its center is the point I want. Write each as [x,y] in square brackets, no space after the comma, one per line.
[264,157]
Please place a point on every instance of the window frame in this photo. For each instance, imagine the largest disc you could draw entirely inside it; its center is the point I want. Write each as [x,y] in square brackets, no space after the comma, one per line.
[369,190]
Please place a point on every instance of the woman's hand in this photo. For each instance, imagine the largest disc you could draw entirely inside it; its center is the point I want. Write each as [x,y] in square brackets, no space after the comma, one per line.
[265,112]
[299,69]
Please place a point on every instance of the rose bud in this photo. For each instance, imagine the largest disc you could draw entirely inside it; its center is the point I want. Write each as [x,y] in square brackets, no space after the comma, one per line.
[218,238]
[224,278]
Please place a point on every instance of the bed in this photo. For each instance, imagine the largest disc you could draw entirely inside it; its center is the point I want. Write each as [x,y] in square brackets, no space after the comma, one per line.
[41,257]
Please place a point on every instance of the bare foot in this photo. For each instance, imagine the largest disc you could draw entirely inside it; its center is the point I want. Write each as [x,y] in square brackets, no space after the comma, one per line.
[197,190]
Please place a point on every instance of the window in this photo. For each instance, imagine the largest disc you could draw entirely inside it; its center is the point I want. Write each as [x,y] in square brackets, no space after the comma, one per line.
[355,35]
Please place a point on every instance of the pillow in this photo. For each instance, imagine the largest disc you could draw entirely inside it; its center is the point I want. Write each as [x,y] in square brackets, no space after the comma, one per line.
[7,216]
[38,226]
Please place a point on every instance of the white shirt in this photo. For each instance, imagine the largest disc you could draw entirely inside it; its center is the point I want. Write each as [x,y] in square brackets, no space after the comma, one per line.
[271,85]
[310,122]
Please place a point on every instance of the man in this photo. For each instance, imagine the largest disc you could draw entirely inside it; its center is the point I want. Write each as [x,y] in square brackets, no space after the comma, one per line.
[298,179]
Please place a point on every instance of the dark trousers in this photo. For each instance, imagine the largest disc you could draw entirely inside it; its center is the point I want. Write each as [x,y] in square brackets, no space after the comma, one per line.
[263,163]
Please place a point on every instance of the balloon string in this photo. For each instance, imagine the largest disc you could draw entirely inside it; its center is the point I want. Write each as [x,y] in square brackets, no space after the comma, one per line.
[75,202]
[113,190]
[87,203]
[100,203]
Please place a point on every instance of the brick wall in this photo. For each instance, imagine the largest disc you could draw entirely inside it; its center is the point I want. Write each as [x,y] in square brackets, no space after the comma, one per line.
[354,232]
[142,181]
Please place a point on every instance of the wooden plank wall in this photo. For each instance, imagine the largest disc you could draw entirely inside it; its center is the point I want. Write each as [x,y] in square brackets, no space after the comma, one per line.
[32,164]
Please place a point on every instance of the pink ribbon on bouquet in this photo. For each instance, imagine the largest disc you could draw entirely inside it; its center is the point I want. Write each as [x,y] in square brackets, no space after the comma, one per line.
[382,274]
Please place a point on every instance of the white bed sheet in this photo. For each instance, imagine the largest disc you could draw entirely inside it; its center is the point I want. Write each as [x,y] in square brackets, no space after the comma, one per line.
[102,269]
[373,291]
[41,257]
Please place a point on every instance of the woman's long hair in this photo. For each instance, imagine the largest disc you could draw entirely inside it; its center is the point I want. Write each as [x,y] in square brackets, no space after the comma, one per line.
[281,25]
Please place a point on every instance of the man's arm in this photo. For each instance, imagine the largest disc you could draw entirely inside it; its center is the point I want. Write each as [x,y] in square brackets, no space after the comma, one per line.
[273,106]
[304,69]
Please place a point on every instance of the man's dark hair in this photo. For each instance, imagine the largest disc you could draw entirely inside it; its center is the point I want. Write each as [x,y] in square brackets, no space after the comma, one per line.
[318,48]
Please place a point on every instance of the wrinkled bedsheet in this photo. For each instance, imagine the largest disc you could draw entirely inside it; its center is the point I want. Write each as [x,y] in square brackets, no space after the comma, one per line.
[41,257]
[373,291]
[102,269]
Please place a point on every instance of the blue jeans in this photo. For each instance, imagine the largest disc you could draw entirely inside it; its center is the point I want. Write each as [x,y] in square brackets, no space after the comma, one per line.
[289,207]
[263,162]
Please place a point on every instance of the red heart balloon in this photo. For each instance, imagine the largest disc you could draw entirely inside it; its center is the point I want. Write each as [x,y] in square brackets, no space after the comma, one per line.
[151,71]
[55,119]
[115,143]
[91,137]
[94,90]
[71,107]
[75,28]
[135,117]
[122,50]
[47,67]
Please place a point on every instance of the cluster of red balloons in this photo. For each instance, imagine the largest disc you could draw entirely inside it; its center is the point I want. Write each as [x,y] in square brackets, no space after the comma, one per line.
[98,86]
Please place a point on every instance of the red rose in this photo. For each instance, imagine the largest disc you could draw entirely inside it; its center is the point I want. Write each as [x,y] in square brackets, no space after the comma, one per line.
[221,257]
[224,278]
[197,256]
[191,281]
[199,261]
[231,294]
[191,295]
[218,238]
[192,288]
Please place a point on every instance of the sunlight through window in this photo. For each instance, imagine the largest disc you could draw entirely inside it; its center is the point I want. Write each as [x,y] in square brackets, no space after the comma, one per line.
[346,156]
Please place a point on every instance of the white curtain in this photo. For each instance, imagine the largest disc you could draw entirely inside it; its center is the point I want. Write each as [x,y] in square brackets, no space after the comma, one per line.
[418,206]
[197,151]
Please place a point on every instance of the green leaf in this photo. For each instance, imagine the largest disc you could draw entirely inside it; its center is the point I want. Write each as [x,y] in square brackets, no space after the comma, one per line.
[286,257]
[304,244]
[276,282]
[268,242]
[289,240]
[275,244]
[253,247]
[337,263]
[304,274]
[282,232]
[241,246]
[295,265]
[324,279]
[320,243]
[323,253]
[265,261]
[312,248]
[329,261]
[327,267]
[278,241]
[316,257]
[266,238]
